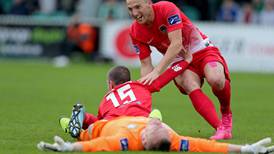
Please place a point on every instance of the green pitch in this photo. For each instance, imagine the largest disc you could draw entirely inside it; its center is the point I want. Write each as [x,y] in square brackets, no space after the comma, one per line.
[34,94]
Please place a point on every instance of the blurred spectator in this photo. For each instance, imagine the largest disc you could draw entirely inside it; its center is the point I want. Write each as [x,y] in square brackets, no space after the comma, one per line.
[257,6]
[191,12]
[19,7]
[112,9]
[267,15]
[200,7]
[33,6]
[246,14]
[88,8]
[81,38]
[213,8]
[1,9]
[229,11]
[193,9]
[6,5]
[67,6]
[47,6]
[82,35]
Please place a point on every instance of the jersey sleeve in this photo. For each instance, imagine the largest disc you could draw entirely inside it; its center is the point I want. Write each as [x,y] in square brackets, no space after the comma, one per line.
[190,144]
[140,48]
[101,110]
[167,76]
[119,142]
[110,143]
[172,16]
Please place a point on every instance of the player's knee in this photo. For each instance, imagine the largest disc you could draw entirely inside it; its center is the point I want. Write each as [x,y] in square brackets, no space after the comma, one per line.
[216,82]
[190,85]
[188,81]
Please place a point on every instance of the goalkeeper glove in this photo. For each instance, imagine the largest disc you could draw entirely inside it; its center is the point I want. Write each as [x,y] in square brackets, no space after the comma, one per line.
[258,147]
[59,145]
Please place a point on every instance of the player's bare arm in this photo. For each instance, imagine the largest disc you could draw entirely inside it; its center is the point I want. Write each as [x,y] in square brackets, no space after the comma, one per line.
[146,66]
[174,48]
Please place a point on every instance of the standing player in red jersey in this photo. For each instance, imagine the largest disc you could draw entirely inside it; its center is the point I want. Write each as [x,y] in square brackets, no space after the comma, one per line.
[125,97]
[165,27]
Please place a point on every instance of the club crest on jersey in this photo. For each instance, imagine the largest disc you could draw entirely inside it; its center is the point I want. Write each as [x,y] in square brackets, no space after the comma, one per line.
[124,144]
[136,48]
[174,19]
[163,28]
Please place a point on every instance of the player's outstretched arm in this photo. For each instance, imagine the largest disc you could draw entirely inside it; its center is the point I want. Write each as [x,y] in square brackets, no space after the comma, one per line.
[111,143]
[259,147]
[146,66]
[59,145]
[170,74]
[174,48]
[204,145]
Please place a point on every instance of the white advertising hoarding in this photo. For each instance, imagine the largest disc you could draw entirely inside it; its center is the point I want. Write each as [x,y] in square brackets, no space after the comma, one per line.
[115,43]
[245,47]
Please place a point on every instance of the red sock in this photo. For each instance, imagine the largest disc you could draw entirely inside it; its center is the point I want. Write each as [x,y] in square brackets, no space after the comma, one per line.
[204,106]
[224,96]
[88,120]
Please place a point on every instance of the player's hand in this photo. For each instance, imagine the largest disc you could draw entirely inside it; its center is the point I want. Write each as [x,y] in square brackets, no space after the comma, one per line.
[59,145]
[150,77]
[270,149]
[187,56]
[259,147]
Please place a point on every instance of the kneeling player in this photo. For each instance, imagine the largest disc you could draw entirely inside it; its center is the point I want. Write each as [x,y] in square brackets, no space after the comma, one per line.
[125,97]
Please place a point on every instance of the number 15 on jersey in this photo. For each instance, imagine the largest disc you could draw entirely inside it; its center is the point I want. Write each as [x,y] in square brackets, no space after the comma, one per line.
[124,93]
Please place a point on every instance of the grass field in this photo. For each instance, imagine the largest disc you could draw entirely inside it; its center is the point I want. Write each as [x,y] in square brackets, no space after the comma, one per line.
[34,94]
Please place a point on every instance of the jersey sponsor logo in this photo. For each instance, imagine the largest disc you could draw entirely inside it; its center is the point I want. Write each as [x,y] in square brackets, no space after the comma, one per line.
[174,19]
[184,145]
[124,144]
[136,48]
[176,68]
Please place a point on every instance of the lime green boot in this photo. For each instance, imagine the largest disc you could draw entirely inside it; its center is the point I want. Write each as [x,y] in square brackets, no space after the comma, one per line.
[155,113]
[64,123]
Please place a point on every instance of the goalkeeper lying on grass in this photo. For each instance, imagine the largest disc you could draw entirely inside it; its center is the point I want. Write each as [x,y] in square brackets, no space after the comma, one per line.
[141,133]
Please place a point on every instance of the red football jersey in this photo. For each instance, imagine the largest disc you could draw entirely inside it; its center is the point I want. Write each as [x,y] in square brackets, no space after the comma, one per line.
[167,19]
[133,98]
[130,98]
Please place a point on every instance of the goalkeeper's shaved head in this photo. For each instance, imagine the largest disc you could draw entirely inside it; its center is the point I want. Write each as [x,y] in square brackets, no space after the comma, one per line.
[119,75]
